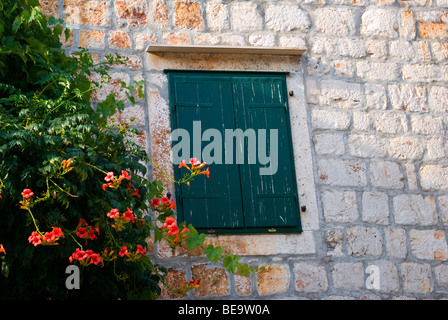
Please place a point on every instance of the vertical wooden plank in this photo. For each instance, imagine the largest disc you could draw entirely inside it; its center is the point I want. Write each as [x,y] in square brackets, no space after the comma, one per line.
[269,200]
[201,103]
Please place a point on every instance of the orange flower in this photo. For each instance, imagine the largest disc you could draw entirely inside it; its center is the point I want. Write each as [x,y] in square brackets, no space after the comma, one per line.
[113,214]
[96,259]
[140,249]
[123,251]
[27,193]
[82,233]
[171,205]
[57,232]
[124,175]
[109,176]
[105,185]
[155,202]
[128,215]
[170,222]
[194,162]
[35,238]
[206,172]
[2,249]
[165,199]
[182,164]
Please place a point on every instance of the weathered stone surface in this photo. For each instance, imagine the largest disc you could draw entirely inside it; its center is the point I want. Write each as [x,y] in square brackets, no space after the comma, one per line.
[341,94]
[272,279]
[408,97]
[410,209]
[177,38]
[334,243]
[428,244]
[434,177]
[406,147]
[159,124]
[112,86]
[188,15]
[310,278]
[286,18]
[351,48]
[174,287]
[390,122]
[386,174]
[438,99]
[348,276]
[119,40]
[245,16]
[91,39]
[214,281]
[388,276]
[363,241]
[379,22]
[339,206]
[422,73]
[426,124]
[243,285]
[416,277]
[82,12]
[401,49]
[335,21]
[262,39]
[369,94]
[337,172]
[441,273]
[407,25]
[49,8]
[443,205]
[375,208]
[328,119]
[329,144]
[366,146]
[218,16]
[433,30]
[160,13]
[133,11]
[377,71]
[396,243]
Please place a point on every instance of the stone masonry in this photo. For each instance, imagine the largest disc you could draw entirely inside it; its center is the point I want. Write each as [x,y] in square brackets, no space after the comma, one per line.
[370,115]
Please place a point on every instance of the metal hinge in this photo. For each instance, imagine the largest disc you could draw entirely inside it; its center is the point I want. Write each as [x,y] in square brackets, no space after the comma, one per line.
[272,230]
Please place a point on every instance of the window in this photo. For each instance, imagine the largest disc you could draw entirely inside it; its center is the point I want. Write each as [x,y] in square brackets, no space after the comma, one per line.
[238,123]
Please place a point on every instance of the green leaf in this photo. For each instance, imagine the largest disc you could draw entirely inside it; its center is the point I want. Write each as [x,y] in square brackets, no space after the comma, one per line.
[230,262]
[17,23]
[5,268]
[158,234]
[194,240]
[245,269]
[212,253]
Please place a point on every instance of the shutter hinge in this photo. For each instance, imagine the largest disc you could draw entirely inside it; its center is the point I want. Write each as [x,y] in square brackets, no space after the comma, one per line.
[211,231]
[272,230]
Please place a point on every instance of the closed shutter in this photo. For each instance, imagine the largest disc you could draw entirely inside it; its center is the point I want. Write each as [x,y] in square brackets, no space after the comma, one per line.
[252,189]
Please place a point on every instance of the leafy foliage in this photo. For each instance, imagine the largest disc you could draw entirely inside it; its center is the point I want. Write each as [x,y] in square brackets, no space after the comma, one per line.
[53,142]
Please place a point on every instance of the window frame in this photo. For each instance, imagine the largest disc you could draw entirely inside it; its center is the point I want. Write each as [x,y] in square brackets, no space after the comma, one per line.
[174,125]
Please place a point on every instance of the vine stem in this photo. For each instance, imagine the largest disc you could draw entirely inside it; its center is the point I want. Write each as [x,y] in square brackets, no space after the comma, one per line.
[34,221]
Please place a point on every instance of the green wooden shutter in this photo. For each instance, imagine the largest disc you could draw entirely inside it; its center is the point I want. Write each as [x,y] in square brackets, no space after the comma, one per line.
[214,202]
[241,197]
[269,199]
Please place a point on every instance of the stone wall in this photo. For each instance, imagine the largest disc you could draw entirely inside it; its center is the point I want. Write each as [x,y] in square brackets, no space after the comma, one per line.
[369,121]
